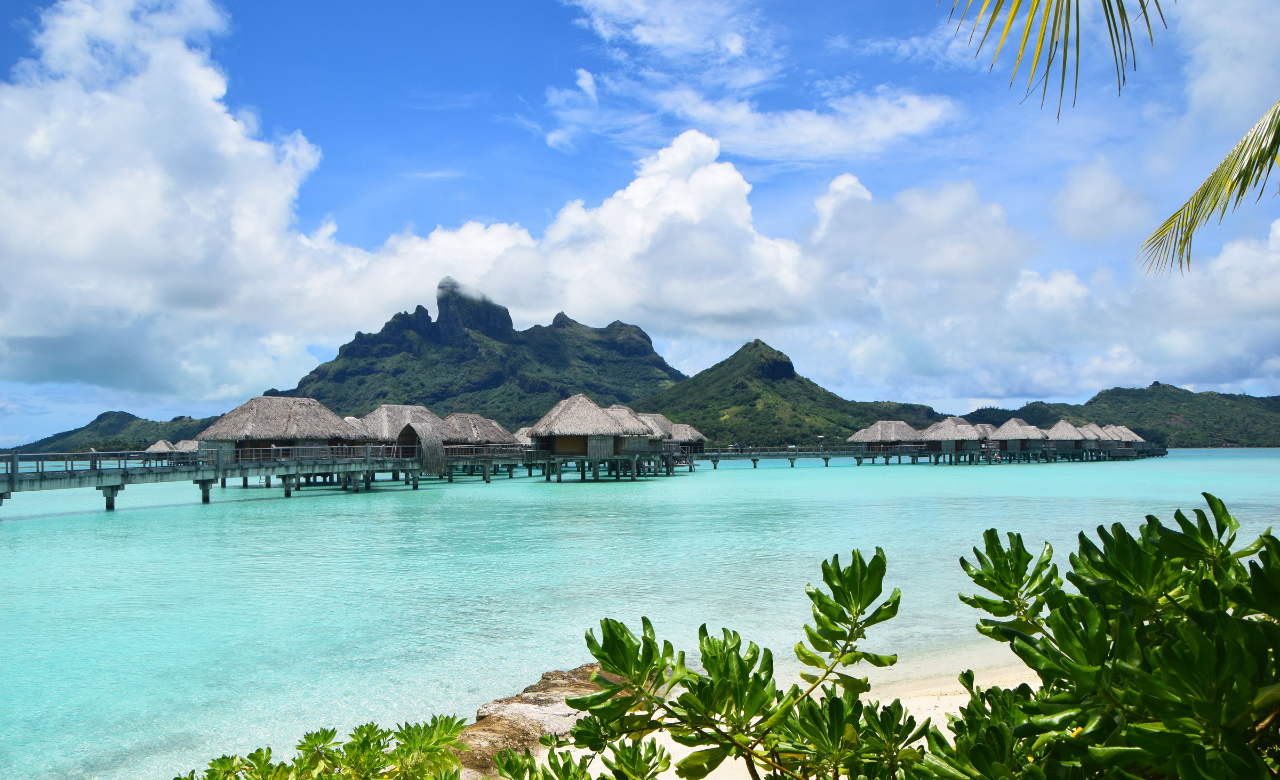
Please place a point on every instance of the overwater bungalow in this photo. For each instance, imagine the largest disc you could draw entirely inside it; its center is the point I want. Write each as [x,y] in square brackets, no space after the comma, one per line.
[689,438]
[577,431]
[576,427]
[275,421]
[387,422]
[886,432]
[522,436]
[161,446]
[985,430]
[476,430]
[658,422]
[1017,436]
[638,436]
[952,440]
[186,445]
[1068,441]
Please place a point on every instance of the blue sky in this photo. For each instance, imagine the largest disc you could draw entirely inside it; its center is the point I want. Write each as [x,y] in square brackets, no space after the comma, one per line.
[202,200]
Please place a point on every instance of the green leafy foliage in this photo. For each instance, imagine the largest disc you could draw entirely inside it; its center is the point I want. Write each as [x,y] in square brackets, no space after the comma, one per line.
[414,751]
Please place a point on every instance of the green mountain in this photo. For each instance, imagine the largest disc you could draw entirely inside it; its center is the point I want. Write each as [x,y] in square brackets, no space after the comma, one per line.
[756,397]
[1164,414]
[473,360]
[117,432]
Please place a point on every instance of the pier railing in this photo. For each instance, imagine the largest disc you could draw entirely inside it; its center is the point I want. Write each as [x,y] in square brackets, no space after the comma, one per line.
[834,450]
[51,462]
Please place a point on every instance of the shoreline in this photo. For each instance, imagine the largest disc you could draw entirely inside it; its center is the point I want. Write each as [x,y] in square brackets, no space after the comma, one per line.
[517,722]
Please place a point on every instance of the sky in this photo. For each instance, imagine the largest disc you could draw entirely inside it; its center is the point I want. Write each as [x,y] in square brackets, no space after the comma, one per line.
[201,200]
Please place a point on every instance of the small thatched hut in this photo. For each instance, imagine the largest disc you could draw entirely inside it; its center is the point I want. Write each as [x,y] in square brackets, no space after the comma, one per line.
[1065,437]
[886,432]
[186,445]
[951,435]
[476,430]
[1121,433]
[1095,432]
[522,436]
[268,421]
[688,437]
[426,437]
[385,423]
[658,422]
[577,427]
[638,435]
[1016,435]
[985,430]
[161,446]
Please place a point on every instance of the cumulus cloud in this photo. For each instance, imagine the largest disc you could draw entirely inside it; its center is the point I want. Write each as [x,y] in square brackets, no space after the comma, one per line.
[1096,205]
[701,65]
[148,244]
[1233,64]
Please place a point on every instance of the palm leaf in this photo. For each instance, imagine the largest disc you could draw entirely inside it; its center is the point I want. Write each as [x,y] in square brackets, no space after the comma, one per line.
[1053,26]
[1245,169]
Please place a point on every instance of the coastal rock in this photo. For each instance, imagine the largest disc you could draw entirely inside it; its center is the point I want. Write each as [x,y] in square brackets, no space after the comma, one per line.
[517,722]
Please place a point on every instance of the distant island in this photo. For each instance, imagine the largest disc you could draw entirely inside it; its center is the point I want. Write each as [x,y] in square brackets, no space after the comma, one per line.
[473,360]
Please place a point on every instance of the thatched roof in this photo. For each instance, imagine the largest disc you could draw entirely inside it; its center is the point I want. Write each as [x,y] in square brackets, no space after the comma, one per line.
[576,416]
[951,429]
[1098,433]
[886,432]
[631,423]
[186,445]
[658,422]
[1121,433]
[387,421]
[275,418]
[161,446]
[470,428]
[1065,431]
[1128,430]
[985,430]
[431,448]
[685,434]
[1017,429]
[522,436]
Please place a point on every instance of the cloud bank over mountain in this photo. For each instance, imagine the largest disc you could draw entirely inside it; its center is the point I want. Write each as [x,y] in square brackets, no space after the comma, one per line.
[148,243]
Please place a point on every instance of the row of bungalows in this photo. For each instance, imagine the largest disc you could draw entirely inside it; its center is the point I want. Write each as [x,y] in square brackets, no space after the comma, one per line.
[955,440]
[579,433]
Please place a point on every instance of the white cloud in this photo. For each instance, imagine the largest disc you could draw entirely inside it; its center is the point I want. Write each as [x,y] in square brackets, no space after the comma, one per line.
[1096,205]
[947,45]
[701,64]
[1234,63]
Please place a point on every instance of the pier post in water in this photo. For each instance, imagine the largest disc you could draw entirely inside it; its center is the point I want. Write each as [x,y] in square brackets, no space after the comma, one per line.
[287,481]
[245,482]
[204,484]
[755,463]
[793,462]
[109,493]
[485,468]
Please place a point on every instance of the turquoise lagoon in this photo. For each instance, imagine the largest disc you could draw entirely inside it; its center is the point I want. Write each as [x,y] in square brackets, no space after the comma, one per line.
[142,643]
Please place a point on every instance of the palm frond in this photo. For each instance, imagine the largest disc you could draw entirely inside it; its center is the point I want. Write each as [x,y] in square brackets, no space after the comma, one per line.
[1054,28]
[1246,168]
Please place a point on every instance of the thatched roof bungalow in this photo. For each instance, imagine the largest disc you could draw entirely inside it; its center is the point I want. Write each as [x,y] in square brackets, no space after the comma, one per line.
[985,430]
[476,430]
[1017,434]
[1121,433]
[278,421]
[657,422]
[1100,437]
[161,446]
[186,445]
[522,436]
[886,432]
[576,427]
[1066,436]
[688,437]
[385,423]
[639,435]
[951,435]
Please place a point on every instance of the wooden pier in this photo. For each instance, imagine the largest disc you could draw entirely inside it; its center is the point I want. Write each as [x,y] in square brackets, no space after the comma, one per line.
[988,453]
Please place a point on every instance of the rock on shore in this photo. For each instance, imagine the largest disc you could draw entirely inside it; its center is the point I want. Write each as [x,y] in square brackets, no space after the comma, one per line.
[517,722]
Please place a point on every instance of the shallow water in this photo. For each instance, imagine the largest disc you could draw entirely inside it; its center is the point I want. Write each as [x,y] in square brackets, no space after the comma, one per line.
[142,643]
